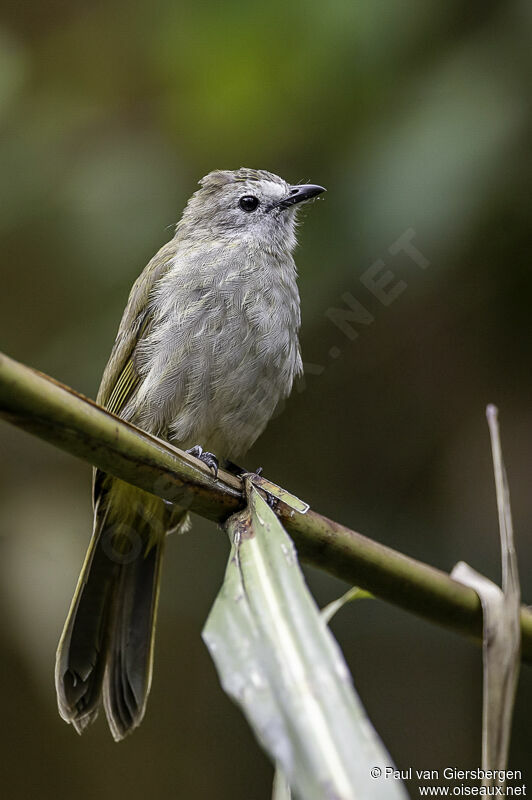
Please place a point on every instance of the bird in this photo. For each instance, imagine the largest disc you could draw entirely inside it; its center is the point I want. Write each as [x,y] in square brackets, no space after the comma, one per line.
[207,348]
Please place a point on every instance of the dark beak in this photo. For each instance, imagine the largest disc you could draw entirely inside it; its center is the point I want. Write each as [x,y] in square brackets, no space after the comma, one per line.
[300,194]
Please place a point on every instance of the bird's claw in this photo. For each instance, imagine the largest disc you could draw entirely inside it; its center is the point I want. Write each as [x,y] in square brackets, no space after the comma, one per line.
[239,471]
[272,501]
[209,459]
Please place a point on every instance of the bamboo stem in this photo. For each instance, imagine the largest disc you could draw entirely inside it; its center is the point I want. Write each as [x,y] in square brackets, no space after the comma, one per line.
[57,414]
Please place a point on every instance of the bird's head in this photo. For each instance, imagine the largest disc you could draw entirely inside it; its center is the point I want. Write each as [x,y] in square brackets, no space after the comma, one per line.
[247,204]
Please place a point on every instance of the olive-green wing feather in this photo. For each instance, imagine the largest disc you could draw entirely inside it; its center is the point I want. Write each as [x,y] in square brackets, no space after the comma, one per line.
[123,389]
[120,378]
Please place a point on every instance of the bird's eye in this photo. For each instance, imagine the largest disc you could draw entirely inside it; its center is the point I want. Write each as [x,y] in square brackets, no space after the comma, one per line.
[248,203]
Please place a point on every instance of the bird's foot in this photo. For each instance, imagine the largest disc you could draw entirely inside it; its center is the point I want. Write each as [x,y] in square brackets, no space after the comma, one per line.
[242,473]
[209,459]
[235,469]
[272,501]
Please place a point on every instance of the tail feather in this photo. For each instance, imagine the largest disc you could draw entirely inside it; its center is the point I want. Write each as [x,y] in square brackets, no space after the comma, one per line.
[129,667]
[80,663]
[108,638]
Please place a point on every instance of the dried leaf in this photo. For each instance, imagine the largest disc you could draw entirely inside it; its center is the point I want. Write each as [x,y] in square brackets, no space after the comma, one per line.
[502,632]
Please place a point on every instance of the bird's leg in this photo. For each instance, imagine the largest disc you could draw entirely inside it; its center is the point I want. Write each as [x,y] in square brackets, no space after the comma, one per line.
[208,458]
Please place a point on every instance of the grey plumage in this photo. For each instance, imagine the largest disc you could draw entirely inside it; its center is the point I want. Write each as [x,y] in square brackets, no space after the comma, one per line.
[207,347]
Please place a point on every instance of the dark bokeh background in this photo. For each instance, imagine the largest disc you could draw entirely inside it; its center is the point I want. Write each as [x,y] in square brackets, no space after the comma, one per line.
[413,114]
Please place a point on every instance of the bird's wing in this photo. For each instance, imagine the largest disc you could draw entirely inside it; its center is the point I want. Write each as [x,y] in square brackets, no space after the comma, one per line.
[120,377]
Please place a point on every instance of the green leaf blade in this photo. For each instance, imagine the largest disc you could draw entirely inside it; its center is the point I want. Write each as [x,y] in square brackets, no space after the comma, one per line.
[293,683]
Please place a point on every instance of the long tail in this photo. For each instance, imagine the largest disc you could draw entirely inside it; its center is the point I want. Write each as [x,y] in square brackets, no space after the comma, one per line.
[107,641]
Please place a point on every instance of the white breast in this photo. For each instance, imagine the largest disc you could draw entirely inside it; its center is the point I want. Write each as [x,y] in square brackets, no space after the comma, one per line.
[222,350]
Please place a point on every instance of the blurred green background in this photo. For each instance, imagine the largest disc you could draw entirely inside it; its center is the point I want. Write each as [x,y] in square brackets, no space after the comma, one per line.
[413,114]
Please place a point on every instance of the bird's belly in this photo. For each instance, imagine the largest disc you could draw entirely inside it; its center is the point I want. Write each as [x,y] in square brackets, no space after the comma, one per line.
[214,373]
[232,406]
